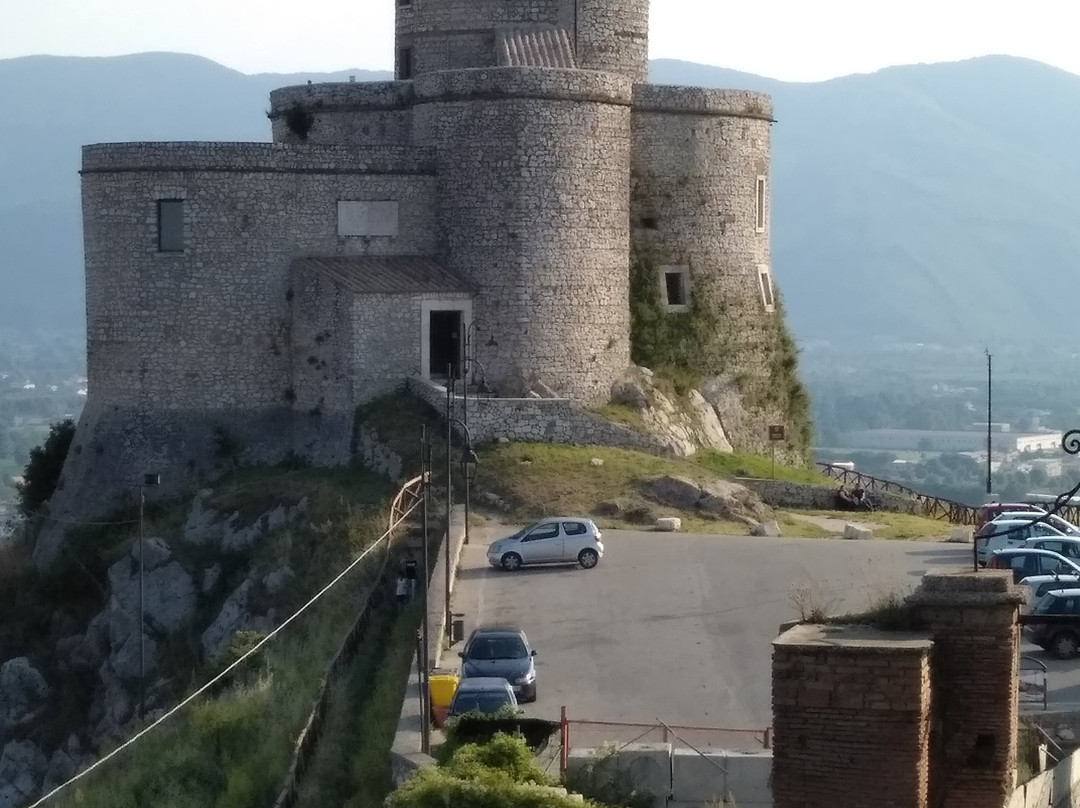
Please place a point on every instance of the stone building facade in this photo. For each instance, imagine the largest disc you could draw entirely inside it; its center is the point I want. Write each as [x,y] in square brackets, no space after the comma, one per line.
[475,215]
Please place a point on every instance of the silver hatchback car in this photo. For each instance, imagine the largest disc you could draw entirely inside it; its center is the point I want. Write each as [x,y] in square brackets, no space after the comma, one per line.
[560,539]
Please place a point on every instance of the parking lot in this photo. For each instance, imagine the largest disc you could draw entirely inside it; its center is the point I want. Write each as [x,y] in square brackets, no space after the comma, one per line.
[678,627]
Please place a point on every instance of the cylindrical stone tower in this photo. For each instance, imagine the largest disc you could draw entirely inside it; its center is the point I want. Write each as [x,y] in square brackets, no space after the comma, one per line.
[700,213]
[432,35]
[375,113]
[613,35]
[533,167]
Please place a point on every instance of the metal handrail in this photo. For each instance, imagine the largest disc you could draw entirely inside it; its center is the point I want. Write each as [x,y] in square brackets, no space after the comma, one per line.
[930,506]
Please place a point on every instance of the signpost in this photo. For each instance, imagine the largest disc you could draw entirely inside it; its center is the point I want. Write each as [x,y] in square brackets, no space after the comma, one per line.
[776,435]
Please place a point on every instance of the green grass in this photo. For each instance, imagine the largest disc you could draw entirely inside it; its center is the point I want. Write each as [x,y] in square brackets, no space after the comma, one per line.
[620,414]
[736,465]
[889,525]
[538,479]
[351,766]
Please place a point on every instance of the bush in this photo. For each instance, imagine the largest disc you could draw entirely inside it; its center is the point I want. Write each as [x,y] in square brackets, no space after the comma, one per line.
[42,473]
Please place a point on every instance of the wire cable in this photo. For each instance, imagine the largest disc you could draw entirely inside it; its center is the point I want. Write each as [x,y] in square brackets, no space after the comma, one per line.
[244,657]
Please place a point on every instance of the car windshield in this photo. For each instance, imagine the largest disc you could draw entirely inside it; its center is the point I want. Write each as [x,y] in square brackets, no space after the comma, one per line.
[497,648]
[480,702]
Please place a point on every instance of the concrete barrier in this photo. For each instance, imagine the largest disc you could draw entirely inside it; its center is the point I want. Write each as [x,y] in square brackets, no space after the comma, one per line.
[646,766]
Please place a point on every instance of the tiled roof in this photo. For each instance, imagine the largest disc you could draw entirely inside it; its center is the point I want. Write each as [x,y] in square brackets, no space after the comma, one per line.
[534,46]
[385,275]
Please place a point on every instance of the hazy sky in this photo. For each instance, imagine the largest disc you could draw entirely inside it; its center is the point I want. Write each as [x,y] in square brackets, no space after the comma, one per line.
[795,40]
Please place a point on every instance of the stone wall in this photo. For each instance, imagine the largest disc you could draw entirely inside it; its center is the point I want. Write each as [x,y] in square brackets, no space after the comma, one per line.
[808,496]
[536,420]
[355,113]
[851,712]
[533,163]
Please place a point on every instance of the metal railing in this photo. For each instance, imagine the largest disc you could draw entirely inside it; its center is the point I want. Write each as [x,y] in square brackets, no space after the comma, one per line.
[1033,681]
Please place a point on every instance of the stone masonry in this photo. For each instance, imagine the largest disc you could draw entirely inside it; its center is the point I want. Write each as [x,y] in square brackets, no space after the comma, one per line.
[864,717]
[851,714]
[477,213]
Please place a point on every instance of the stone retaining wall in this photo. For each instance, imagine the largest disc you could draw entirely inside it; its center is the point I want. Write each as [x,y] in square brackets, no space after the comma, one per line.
[810,496]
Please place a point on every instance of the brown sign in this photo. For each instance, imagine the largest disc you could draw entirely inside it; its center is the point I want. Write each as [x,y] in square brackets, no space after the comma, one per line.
[776,432]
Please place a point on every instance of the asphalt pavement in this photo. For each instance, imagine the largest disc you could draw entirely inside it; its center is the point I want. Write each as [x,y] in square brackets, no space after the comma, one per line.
[678,627]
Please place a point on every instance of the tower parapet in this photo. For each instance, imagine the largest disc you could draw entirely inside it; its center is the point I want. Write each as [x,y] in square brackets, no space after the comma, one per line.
[355,113]
[607,35]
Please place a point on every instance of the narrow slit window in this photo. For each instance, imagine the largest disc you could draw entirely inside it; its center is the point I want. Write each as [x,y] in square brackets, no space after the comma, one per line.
[768,296]
[170,225]
[759,206]
[405,64]
[675,287]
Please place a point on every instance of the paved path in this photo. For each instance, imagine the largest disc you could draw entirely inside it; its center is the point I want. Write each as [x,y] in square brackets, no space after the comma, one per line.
[675,626]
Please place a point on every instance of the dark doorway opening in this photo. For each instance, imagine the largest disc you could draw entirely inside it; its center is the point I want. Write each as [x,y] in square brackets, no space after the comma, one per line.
[444,344]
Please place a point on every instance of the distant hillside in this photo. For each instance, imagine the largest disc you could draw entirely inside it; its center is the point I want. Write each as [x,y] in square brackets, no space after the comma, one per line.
[921,203]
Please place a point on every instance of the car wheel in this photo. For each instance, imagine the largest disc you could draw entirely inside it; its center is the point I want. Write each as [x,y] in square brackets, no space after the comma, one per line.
[511,561]
[1064,646]
[588,558]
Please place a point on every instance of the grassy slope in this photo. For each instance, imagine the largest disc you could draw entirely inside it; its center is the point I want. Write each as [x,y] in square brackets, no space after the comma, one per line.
[542,479]
[232,749]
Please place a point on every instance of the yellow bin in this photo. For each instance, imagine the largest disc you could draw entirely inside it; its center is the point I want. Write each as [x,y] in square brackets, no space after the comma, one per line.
[443,687]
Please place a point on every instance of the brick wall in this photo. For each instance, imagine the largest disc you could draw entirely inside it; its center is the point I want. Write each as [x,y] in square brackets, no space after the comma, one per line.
[851,710]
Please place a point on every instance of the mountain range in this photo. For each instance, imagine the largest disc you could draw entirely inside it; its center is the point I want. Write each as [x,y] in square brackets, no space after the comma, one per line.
[927,203]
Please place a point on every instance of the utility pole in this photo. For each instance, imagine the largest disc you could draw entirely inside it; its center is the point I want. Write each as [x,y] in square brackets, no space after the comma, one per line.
[989,412]
[424,661]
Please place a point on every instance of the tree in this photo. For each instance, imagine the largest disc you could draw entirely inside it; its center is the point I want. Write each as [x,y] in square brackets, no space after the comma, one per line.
[43,471]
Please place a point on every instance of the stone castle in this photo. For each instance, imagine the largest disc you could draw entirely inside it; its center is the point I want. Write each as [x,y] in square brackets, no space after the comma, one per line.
[483,213]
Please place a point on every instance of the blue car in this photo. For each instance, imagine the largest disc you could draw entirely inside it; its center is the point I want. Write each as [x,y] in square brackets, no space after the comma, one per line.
[502,652]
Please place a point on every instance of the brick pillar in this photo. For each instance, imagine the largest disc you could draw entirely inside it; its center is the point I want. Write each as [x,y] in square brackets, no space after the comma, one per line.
[974,667]
[851,712]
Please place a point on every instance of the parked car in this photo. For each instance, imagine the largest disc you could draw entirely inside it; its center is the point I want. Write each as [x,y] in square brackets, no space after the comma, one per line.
[502,652]
[562,539]
[992,509]
[481,695]
[1039,585]
[1025,562]
[994,536]
[1060,637]
[1055,521]
[1063,545]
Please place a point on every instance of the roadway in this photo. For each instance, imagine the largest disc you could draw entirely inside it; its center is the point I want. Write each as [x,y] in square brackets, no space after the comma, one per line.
[678,627]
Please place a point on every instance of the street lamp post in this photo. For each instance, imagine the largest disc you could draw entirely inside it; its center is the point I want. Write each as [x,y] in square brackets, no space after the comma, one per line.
[424,661]
[467,363]
[449,489]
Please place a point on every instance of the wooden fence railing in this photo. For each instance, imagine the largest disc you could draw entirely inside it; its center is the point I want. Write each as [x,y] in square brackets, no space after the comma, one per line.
[924,504]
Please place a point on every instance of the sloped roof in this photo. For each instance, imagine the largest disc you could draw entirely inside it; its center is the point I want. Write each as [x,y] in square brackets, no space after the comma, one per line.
[385,275]
[534,46]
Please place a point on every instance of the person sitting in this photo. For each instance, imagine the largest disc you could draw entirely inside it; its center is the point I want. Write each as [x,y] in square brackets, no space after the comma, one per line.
[844,499]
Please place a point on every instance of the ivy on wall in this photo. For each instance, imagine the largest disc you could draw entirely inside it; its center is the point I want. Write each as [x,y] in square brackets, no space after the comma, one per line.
[686,347]
[682,347]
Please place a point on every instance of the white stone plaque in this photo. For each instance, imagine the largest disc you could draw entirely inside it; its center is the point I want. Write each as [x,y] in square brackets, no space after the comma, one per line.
[367,218]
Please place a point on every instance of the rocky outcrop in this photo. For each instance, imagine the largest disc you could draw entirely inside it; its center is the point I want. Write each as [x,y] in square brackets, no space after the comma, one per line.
[718,499]
[684,424]
[23,691]
[204,525]
[168,590]
[22,767]
[234,616]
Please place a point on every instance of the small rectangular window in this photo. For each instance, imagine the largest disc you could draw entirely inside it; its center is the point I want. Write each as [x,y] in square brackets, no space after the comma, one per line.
[170,225]
[675,288]
[768,297]
[759,206]
[405,66]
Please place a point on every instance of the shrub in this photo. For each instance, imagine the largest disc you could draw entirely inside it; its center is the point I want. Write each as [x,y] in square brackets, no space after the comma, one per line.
[42,473]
